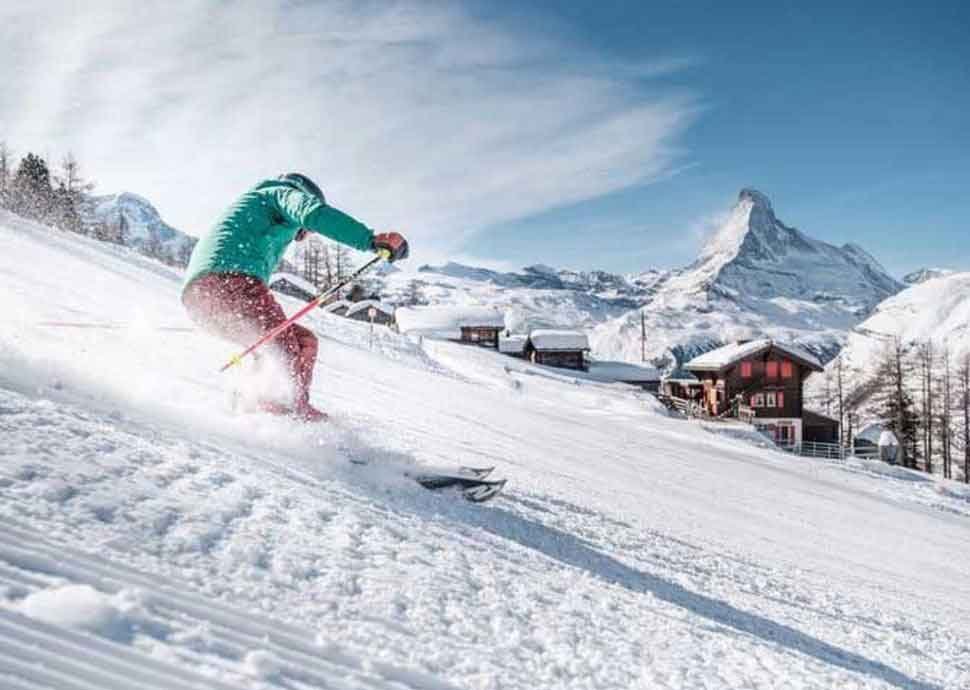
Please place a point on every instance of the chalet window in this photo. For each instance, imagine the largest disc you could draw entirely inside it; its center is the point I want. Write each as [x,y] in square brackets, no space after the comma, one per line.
[780,398]
[770,400]
[746,370]
[787,369]
[771,370]
[758,400]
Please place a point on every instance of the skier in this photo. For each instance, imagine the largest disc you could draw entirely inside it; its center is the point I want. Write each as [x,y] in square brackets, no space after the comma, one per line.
[225,290]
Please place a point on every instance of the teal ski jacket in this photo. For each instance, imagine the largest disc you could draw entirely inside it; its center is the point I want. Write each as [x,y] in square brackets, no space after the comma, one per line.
[253,234]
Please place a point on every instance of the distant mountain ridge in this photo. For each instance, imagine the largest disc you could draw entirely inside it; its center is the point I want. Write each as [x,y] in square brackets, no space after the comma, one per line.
[600,283]
[144,228]
[535,297]
[755,276]
[924,274]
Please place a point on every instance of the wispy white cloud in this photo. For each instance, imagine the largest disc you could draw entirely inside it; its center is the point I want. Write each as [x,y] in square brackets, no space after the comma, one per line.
[417,116]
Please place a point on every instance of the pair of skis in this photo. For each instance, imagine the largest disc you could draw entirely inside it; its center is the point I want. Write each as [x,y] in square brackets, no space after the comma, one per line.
[472,482]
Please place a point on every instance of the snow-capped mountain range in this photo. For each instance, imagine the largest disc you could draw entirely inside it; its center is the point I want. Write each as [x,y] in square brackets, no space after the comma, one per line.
[145,230]
[754,276]
[535,297]
[924,274]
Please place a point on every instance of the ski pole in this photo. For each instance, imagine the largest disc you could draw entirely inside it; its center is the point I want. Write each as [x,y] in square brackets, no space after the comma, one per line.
[382,255]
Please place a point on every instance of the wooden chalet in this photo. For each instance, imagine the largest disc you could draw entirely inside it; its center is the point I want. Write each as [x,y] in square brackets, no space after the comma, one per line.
[293,285]
[761,376]
[642,376]
[383,315]
[819,428]
[472,325]
[338,307]
[563,349]
[485,335]
[682,384]
[512,344]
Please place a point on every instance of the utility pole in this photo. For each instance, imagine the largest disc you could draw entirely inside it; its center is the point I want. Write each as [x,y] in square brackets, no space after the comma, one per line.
[643,337]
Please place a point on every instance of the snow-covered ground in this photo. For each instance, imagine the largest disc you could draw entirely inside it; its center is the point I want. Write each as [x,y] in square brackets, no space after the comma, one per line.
[151,538]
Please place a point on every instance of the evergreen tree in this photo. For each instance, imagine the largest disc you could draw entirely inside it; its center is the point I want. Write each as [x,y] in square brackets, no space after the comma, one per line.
[926,355]
[32,195]
[123,233]
[412,296]
[964,377]
[342,266]
[898,407]
[6,174]
[946,415]
[71,190]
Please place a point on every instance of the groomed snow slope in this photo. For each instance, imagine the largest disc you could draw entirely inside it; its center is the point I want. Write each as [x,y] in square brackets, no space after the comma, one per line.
[150,538]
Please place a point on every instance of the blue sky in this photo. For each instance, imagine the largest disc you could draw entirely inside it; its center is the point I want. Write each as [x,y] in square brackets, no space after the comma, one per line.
[854,119]
[599,134]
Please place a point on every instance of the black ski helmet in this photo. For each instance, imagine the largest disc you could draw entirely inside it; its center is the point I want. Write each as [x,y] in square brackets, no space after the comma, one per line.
[304,184]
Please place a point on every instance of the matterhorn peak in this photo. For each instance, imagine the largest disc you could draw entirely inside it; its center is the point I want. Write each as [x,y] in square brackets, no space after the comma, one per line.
[755,197]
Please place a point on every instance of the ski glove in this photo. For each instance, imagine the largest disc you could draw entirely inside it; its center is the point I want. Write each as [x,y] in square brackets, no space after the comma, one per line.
[393,243]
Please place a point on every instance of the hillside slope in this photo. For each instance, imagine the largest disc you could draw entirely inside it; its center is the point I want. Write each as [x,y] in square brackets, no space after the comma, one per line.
[148,534]
[934,309]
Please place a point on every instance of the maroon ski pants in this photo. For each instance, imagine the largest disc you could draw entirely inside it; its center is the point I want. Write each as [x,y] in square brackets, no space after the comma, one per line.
[241,308]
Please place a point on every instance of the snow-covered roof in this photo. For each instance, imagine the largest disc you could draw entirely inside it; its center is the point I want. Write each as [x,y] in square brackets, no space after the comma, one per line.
[334,306]
[725,356]
[293,279]
[438,320]
[544,339]
[681,376]
[512,344]
[364,304]
[623,371]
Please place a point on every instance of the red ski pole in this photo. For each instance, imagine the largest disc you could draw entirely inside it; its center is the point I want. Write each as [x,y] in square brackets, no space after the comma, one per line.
[383,255]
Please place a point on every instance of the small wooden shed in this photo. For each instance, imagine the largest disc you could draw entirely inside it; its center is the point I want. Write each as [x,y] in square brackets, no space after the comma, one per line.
[472,325]
[563,349]
[293,285]
[361,311]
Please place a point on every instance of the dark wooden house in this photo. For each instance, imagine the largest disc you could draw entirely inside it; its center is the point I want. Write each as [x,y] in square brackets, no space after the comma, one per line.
[485,335]
[763,375]
[383,315]
[642,376]
[819,428]
[682,384]
[293,286]
[512,344]
[472,325]
[338,307]
[563,349]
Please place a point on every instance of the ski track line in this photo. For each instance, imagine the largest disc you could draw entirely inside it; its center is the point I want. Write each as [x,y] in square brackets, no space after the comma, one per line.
[63,658]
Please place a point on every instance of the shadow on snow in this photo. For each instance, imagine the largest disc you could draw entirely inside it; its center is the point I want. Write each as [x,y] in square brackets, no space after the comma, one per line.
[574,552]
